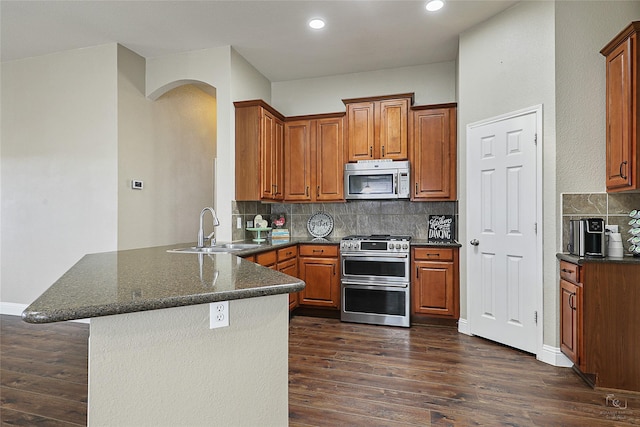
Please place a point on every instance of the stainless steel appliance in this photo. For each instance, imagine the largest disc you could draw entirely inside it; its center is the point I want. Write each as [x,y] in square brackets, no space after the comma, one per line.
[587,237]
[375,280]
[376,179]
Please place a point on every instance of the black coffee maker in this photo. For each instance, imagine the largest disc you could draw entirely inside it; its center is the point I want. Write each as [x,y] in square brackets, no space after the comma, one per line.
[587,238]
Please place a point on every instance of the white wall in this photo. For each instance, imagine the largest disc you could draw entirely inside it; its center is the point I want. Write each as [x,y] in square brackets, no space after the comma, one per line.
[59,166]
[506,64]
[233,79]
[170,144]
[432,84]
[582,29]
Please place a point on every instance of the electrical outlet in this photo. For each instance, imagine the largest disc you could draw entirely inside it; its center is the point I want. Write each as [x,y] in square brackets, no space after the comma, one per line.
[218,314]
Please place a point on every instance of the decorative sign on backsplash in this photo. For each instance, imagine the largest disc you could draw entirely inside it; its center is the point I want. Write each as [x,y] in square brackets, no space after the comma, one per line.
[441,228]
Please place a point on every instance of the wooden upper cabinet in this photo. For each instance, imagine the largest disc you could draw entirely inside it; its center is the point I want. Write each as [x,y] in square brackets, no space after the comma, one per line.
[432,134]
[259,151]
[623,76]
[377,128]
[297,162]
[314,158]
[329,159]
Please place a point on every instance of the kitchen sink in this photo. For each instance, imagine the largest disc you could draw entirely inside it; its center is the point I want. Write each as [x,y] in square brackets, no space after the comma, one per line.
[205,250]
[239,246]
[223,248]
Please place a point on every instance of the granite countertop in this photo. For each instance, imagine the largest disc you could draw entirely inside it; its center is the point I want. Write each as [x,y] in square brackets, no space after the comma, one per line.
[147,279]
[627,259]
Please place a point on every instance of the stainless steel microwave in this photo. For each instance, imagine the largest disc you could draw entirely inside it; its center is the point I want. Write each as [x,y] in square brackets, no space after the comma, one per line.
[376,179]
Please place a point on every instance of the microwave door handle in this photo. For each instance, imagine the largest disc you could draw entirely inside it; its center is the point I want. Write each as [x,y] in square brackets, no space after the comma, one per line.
[395,183]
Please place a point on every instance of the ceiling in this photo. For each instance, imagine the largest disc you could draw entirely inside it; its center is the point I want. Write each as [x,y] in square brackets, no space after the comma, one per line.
[273,36]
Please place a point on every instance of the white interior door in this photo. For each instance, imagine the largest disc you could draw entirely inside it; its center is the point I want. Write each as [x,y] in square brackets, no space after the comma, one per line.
[502,208]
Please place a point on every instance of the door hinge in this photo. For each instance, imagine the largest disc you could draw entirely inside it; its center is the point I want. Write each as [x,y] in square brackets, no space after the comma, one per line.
[535,139]
[535,316]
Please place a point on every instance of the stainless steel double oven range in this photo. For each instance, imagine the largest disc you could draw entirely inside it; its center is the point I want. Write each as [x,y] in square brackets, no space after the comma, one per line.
[375,280]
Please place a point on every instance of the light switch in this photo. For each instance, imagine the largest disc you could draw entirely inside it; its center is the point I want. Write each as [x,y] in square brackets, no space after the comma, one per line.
[136,184]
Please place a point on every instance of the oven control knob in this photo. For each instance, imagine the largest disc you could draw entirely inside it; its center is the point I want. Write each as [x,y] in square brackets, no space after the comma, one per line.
[405,246]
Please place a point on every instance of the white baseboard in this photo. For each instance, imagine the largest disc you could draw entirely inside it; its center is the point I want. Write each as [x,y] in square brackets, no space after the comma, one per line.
[14,309]
[11,308]
[553,356]
[463,327]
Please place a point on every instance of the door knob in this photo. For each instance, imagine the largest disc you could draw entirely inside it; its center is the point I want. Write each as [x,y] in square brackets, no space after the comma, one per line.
[475,242]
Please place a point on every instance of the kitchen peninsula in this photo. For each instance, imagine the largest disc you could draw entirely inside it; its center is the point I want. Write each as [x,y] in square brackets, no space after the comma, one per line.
[153,358]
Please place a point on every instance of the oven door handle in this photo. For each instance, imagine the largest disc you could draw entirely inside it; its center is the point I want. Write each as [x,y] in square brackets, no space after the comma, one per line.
[374,284]
[386,255]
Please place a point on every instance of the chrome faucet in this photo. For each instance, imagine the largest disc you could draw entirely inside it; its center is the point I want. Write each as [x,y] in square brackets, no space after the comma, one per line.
[210,237]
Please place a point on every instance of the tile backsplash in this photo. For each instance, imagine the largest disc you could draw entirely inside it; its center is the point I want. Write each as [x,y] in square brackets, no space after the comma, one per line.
[614,208]
[353,217]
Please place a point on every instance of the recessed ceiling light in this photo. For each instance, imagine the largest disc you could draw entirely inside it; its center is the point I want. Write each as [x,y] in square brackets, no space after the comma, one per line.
[316,23]
[434,5]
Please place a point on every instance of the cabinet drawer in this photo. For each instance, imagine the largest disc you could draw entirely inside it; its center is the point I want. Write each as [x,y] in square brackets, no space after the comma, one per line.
[287,253]
[266,258]
[570,272]
[319,250]
[433,254]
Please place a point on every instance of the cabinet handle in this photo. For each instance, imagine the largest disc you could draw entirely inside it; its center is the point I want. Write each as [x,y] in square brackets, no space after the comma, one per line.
[416,188]
[430,255]
[318,250]
[564,270]
[334,269]
[318,191]
[621,175]
[370,151]
[572,298]
[306,191]
[383,151]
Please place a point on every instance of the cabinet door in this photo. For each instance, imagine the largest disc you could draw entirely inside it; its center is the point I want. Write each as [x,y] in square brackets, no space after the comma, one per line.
[620,164]
[297,155]
[569,320]
[329,166]
[322,280]
[278,160]
[433,290]
[391,127]
[434,165]
[290,267]
[268,153]
[360,125]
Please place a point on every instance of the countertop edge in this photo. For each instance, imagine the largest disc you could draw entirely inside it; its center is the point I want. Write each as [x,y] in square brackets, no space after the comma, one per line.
[574,259]
[35,316]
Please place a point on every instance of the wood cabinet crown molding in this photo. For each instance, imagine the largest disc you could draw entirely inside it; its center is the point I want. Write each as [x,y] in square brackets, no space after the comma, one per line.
[259,103]
[434,106]
[634,27]
[316,116]
[380,98]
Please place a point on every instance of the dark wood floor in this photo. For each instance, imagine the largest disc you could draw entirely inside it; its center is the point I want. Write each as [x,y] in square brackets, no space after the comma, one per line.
[341,374]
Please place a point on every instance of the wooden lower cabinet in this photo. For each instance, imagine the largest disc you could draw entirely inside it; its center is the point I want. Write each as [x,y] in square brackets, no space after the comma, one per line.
[599,321]
[268,259]
[284,260]
[319,267]
[570,298]
[288,264]
[435,283]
